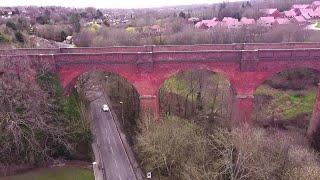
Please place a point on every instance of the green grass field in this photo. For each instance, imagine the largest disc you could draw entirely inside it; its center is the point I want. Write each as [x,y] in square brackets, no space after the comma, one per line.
[289,103]
[65,173]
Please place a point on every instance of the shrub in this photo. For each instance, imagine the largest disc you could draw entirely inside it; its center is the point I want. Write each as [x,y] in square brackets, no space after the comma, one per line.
[22,139]
[43,19]
[63,35]
[300,173]
[167,147]
[84,39]
[70,112]
[297,79]
[4,38]
[54,32]
[106,37]
[75,21]
[315,142]
[19,37]
[11,25]
[182,15]
[178,149]
[260,156]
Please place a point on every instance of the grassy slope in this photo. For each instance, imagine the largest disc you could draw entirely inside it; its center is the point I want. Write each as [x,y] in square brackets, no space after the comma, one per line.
[66,173]
[289,103]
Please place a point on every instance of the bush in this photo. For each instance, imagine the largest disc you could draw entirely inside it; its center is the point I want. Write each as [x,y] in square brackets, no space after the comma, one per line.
[54,32]
[178,149]
[171,147]
[75,21]
[63,36]
[43,19]
[70,111]
[315,142]
[106,37]
[11,25]
[19,37]
[30,134]
[307,172]
[4,38]
[298,79]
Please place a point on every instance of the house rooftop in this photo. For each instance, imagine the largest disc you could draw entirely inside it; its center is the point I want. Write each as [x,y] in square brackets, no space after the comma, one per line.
[247,21]
[207,23]
[290,13]
[269,11]
[194,19]
[316,12]
[230,22]
[282,21]
[307,13]
[300,6]
[267,20]
[316,3]
[300,19]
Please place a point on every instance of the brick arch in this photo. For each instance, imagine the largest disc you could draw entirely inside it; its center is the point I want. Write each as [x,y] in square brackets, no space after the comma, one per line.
[69,76]
[246,83]
[270,69]
[175,72]
[315,119]
[170,73]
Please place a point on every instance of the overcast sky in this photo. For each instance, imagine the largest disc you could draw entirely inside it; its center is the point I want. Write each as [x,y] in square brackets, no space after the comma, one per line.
[107,3]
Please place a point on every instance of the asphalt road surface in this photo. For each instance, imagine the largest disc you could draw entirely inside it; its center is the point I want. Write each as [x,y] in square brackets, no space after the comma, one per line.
[116,163]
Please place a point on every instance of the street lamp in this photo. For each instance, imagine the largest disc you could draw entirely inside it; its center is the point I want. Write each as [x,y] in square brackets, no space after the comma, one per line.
[122,112]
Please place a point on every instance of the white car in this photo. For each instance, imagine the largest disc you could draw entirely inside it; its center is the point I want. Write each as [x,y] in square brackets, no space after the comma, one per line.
[105,108]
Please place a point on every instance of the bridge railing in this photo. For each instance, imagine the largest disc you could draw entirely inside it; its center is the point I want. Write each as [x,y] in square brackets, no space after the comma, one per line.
[23,51]
[163,48]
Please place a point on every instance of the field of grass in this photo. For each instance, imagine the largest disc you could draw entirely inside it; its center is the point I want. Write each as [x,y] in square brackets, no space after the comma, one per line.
[65,173]
[289,104]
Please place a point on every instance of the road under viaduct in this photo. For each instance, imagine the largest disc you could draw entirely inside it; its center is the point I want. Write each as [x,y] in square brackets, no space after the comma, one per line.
[246,66]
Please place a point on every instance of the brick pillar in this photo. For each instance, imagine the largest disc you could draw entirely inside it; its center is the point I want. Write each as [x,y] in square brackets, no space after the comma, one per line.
[315,119]
[149,106]
[242,109]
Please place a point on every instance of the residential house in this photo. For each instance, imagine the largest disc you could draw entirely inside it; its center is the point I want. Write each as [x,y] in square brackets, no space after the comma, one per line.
[289,14]
[266,21]
[193,20]
[299,20]
[315,4]
[300,6]
[207,24]
[69,40]
[282,21]
[306,13]
[271,12]
[316,13]
[230,22]
[247,21]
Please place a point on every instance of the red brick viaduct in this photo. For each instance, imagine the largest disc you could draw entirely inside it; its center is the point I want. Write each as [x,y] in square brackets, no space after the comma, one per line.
[246,66]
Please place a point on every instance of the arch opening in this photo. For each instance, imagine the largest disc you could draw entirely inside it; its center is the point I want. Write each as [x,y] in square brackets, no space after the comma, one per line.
[286,100]
[121,96]
[198,95]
